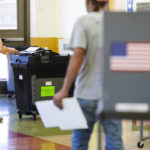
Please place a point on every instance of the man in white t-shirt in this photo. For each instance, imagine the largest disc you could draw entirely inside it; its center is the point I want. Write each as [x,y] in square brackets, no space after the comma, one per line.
[85,66]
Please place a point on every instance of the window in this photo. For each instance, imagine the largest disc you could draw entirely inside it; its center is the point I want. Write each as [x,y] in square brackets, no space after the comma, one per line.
[8,14]
[141,5]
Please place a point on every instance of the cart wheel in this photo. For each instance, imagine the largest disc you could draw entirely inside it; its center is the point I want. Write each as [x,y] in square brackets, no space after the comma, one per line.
[34,116]
[140,144]
[14,96]
[20,114]
[9,95]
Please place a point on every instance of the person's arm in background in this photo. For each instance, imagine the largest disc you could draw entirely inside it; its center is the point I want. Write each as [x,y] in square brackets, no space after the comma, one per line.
[72,71]
[5,50]
[1,44]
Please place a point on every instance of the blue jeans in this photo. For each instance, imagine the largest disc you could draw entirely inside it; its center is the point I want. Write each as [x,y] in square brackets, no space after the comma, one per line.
[112,129]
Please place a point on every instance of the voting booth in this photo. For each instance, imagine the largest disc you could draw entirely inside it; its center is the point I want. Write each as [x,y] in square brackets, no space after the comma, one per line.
[126,66]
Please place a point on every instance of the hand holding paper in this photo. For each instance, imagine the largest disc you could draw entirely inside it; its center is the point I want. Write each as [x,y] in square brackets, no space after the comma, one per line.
[58,98]
[69,118]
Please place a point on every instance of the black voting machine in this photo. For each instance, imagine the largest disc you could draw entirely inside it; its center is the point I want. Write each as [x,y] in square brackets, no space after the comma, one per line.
[38,76]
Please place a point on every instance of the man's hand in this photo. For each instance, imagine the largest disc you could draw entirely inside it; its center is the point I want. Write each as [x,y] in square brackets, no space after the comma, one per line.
[59,97]
[72,71]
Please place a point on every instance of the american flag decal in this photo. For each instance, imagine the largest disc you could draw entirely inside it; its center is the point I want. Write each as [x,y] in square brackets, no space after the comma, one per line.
[130,57]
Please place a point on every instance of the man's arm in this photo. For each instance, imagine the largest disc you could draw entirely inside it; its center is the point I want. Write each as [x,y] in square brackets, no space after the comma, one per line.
[72,71]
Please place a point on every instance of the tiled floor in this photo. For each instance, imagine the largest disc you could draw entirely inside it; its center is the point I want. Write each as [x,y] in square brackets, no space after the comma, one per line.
[27,134]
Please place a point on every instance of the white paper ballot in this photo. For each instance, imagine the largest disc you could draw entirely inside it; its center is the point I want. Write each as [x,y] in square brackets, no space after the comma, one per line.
[32,49]
[70,118]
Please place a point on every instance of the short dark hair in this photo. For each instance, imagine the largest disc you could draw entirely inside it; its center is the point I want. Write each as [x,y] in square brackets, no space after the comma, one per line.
[98,4]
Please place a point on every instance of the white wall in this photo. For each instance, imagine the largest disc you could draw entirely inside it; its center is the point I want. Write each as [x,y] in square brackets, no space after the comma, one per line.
[120,5]
[46,18]
[55,18]
[72,9]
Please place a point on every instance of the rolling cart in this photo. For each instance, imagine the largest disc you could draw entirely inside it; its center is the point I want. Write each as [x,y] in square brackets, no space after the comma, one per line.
[140,144]
[10,82]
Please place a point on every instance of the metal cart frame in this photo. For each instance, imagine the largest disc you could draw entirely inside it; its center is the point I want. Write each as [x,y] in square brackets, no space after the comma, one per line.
[140,144]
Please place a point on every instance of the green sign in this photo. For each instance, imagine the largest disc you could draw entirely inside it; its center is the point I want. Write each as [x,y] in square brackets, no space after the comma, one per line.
[47,91]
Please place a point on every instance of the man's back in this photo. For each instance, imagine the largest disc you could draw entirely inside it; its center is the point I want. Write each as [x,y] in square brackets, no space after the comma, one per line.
[86,34]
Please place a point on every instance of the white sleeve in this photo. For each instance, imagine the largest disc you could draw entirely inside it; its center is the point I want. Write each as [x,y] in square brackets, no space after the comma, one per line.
[78,38]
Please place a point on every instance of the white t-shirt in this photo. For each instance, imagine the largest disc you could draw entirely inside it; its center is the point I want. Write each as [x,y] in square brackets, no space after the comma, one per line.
[87,34]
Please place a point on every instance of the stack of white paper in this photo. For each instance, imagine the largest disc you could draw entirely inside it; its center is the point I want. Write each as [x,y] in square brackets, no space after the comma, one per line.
[32,49]
[69,118]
